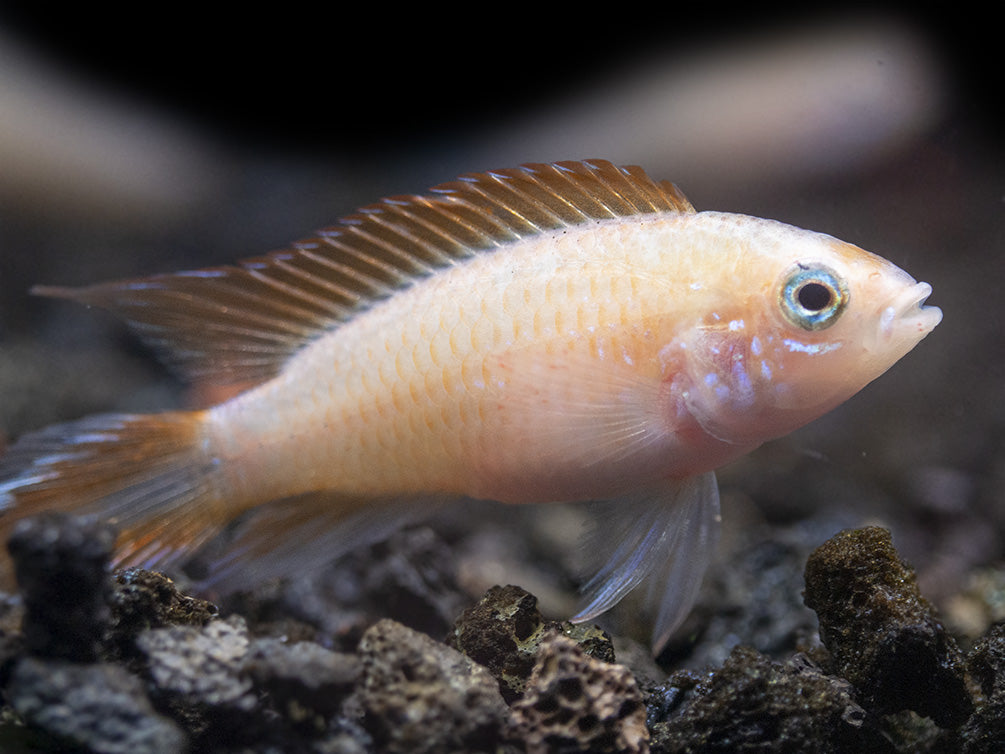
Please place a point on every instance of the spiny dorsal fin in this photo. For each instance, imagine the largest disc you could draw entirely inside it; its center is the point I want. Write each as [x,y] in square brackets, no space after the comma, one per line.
[241,323]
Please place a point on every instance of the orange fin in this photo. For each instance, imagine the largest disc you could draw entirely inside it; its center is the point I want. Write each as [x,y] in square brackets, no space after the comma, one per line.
[148,475]
[241,323]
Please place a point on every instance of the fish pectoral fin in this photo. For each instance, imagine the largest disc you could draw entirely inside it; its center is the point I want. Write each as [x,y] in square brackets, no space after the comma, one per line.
[665,536]
[579,408]
[297,535]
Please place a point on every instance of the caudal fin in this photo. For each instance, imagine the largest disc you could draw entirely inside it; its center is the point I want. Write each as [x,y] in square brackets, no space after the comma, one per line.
[149,475]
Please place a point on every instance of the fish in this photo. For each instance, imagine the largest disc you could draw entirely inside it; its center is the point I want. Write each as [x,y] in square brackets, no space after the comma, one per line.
[555,332]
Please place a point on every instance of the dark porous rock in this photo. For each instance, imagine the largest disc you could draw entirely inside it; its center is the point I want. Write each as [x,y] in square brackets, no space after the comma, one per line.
[91,707]
[504,630]
[574,702]
[664,700]
[11,641]
[984,732]
[196,676]
[141,600]
[757,705]
[418,695]
[986,662]
[202,665]
[61,563]
[302,679]
[882,635]
[753,597]
[409,578]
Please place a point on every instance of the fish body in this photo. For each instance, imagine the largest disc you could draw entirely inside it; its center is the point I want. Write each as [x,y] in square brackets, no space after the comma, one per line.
[563,332]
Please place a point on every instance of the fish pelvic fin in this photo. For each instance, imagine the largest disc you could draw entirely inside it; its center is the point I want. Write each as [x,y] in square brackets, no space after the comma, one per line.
[240,324]
[151,476]
[665,537]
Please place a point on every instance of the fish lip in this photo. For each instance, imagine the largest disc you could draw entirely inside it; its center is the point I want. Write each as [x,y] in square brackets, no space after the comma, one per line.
[907,313]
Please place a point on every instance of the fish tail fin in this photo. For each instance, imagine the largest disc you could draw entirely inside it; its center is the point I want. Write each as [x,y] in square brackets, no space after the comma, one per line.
[151,476]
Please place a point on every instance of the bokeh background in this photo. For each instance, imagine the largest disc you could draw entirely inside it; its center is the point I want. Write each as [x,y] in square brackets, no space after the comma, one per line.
[182,136]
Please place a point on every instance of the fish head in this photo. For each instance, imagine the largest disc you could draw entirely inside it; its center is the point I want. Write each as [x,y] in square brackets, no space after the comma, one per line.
[804,322]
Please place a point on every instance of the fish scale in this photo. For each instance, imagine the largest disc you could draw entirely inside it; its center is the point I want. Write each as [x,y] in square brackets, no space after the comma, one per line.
[565,332]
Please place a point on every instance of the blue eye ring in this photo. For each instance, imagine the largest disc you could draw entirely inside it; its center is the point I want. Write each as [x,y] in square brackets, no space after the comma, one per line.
[813,296]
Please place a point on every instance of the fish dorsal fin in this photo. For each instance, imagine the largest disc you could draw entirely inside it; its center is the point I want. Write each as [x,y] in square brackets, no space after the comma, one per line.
[240,324]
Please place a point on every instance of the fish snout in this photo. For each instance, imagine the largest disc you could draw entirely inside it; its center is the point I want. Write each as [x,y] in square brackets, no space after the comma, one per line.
[907,314]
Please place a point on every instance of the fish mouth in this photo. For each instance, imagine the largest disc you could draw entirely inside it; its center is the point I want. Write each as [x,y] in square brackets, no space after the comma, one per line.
[906,312]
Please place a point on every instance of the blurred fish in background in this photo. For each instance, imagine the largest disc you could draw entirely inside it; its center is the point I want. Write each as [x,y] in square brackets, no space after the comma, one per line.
[717,113]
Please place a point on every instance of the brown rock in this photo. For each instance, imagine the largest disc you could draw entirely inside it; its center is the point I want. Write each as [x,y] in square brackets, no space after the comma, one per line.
[574,702]
[882,635]
[419,695]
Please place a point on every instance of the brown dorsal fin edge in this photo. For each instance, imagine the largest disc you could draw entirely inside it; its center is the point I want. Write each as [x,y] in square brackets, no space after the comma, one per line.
[240,324]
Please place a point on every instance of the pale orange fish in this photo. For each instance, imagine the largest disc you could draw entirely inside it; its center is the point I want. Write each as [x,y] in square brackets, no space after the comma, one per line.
[563,332]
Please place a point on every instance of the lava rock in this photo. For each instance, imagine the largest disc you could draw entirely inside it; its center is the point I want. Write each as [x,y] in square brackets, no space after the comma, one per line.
[503,633]
[754,597]
[96,707]
[409,578]
[418,695]
[61,566]
[882,635]
[200,666]
[303,678]
[984,732]
[574,702]
[141,600]
[753,704]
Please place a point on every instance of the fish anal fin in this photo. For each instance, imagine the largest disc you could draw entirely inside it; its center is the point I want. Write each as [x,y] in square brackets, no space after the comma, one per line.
[665,536]
[292,536]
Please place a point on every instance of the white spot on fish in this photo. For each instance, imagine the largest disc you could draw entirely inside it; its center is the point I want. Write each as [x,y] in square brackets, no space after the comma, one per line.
[745,389]
[755,346]
[736,324]
[812,348]
[886,320]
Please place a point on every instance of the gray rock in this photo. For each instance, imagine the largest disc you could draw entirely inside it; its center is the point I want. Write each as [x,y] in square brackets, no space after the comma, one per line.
[100,708]
[302,675]
[200,665]
[419,696]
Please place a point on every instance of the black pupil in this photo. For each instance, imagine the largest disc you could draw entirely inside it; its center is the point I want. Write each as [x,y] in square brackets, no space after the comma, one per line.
[814,297]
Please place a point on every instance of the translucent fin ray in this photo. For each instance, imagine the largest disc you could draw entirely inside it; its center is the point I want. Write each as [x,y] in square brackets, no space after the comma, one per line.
[288,537]
[241,323]
[665,537]
[147,475]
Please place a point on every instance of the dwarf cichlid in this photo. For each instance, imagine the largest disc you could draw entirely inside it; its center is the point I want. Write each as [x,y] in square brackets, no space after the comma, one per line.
[557,332]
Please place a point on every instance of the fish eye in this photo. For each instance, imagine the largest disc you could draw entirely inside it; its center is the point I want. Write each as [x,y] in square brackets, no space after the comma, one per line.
[813,297]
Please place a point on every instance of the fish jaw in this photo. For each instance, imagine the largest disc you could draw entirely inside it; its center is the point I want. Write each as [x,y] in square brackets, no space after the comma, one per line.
[907,318]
